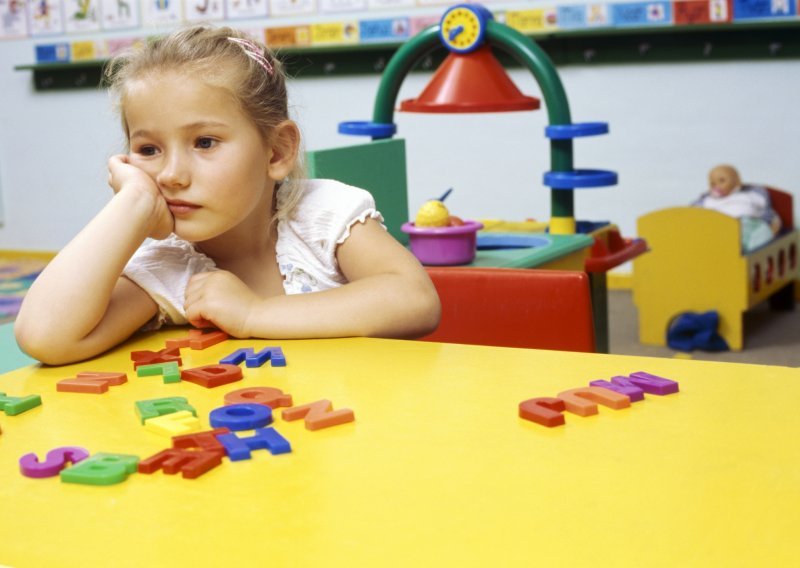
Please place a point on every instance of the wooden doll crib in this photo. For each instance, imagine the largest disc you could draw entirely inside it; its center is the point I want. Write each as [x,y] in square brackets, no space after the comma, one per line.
[696,264]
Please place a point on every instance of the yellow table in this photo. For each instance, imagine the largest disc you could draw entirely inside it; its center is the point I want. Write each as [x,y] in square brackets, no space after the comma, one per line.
[437,469]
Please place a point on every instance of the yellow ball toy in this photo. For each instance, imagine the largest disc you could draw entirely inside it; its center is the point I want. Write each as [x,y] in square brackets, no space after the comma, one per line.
[433,213]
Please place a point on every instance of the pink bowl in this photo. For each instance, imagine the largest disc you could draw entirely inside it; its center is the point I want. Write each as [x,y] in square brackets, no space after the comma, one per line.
[443,246]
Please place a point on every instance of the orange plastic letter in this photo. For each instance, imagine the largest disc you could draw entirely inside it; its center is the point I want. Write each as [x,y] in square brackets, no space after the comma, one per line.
[268,396]
[319,415]
[582,401]
[91,382]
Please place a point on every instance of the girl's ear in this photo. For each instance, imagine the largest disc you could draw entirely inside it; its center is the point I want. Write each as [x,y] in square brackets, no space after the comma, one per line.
[284,145]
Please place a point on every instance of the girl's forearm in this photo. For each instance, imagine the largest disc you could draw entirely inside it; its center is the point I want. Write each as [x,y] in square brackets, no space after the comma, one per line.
[71,295]
[379,306]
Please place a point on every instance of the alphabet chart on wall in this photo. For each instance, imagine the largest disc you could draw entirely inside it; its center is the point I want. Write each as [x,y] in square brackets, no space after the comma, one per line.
[60,19]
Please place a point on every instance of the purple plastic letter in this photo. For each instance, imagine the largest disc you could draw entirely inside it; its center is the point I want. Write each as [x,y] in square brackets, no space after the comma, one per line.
[651,384]
[621,385]
[57,460]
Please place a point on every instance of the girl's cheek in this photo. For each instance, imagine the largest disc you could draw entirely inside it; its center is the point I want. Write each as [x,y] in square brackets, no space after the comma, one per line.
[144,165]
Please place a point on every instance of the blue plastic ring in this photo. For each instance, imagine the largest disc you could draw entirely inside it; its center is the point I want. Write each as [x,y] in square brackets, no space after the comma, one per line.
[580,179]
[568,131]
[366,128]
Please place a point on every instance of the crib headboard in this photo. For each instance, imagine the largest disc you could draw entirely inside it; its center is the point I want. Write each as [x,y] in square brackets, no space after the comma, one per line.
[782,203]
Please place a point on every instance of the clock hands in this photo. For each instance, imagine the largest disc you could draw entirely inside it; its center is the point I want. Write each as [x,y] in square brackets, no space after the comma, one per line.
[455,32]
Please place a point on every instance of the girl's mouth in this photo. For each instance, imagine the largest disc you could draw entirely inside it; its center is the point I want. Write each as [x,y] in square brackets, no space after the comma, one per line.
[181,208]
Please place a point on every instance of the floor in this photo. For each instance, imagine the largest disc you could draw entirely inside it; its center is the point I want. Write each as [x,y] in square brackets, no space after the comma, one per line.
[16,275]
[771,338]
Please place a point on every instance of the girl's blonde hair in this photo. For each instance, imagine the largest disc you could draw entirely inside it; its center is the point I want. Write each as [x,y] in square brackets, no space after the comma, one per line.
[223,57]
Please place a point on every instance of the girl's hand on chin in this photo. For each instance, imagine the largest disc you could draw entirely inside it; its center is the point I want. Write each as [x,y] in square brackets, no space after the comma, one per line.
[124,176]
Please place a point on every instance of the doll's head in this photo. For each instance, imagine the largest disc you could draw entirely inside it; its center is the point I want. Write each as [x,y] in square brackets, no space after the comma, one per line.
[723,180]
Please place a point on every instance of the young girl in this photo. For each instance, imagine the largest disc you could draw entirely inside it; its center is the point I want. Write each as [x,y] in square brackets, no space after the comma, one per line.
[237,240]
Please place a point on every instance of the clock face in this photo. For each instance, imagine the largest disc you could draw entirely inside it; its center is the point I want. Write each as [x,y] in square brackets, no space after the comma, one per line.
[462,29]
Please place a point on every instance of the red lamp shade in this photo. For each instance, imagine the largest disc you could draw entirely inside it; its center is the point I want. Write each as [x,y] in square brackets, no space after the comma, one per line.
[470,82]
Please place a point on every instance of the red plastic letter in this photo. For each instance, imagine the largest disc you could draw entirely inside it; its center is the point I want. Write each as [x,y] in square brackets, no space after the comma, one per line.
[212,376]
[544,410]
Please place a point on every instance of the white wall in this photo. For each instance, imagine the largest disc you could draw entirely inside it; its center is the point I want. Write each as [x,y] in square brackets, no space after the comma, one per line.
[669,124]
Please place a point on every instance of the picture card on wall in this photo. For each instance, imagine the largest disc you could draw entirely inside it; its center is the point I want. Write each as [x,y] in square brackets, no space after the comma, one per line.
[82,15]
[240,9]
[13,23]
[46,17]
[390,4]
[292,7]
[119,14]
[333,6]
[160,12]
[204,10]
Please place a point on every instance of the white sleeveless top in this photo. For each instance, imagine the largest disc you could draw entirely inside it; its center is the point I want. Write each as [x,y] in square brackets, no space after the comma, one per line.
[306,249]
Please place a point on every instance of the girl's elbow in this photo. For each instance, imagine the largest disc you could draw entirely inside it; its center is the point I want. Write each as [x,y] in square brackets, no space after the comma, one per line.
[434,314]
[427,312]
[42,346]
[29,340]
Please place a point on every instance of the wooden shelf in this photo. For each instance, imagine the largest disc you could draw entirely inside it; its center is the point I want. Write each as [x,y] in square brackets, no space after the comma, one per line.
[721,42]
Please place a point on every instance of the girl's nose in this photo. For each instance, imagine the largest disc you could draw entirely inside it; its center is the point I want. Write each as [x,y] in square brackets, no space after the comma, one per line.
[174,174]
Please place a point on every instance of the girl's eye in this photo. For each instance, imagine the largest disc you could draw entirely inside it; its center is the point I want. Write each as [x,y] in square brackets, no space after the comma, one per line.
[146,150]
[205,143]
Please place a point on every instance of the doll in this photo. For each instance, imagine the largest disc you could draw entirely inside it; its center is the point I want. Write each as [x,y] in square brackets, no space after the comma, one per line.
[748,203]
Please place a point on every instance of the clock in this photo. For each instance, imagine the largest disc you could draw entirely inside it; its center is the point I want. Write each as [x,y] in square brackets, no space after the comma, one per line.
[463,27]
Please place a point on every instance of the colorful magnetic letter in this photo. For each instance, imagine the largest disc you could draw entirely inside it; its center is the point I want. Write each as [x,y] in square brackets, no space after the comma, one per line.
[582,401]
[140,358]
[544,410]
[191,463]
[269,396]
[197,339]
[173,424]
[651,384]
[155,407]
[206,441]
[621,385]
[170,371]
[211,376]
[264,438]
[319,415]
[13,405]
[253,359]
[101,469]
[91,382]
[56,460]
[241,416]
